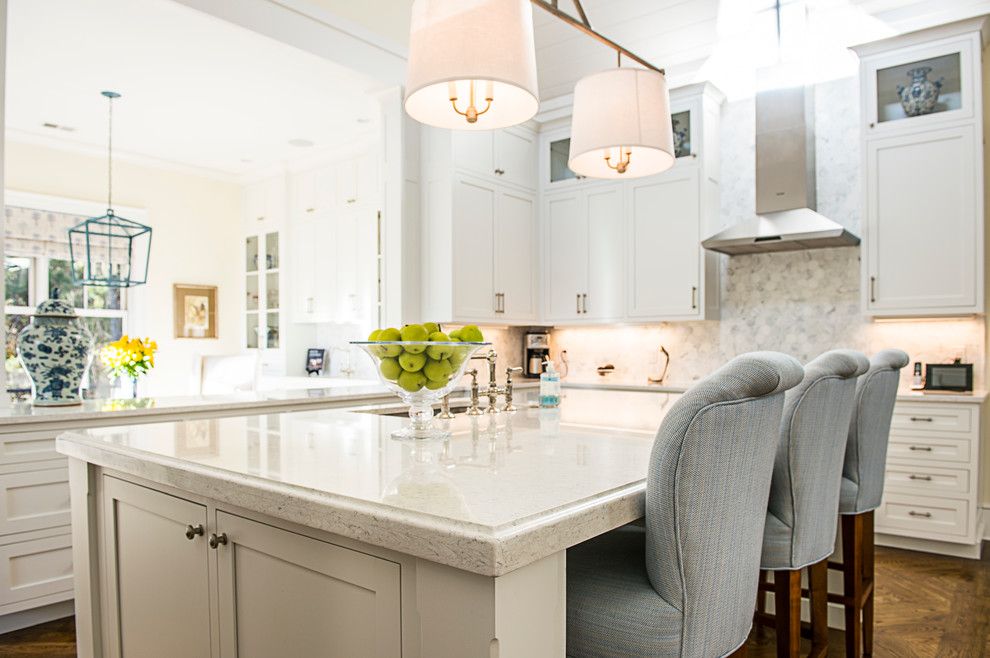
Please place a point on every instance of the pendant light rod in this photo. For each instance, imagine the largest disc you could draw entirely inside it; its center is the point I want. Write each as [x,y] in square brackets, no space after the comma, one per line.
[110,95]
[550,6]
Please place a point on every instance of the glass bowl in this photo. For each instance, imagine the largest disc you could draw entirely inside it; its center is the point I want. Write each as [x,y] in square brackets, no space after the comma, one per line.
[421,373]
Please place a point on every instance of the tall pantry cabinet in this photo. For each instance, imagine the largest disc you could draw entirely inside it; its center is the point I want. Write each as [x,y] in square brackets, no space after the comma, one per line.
[923,215]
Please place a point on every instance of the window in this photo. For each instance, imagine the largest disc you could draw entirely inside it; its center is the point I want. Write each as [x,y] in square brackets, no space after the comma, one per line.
[103,310]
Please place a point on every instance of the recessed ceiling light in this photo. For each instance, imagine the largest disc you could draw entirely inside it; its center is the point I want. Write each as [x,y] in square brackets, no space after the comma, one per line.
[302,143]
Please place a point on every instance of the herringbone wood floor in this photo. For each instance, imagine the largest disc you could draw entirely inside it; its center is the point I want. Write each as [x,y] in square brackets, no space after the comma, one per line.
[927,606]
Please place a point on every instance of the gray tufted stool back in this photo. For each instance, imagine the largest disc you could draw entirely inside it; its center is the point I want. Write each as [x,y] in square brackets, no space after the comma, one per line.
[807,471]
[706,498]
[869,429]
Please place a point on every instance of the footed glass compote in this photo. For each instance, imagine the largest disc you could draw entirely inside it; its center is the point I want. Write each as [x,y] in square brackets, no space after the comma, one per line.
[421,373]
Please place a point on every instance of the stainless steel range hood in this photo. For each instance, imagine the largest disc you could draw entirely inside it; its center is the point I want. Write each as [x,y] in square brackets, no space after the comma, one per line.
[786,217]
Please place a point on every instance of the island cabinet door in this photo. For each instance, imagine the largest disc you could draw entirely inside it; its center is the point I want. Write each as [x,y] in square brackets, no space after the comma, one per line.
[160,576]
[285,594]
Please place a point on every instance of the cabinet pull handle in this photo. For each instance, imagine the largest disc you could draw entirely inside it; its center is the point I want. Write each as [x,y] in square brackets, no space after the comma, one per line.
[922,448]
[193,530]
[310,209]
[578,304]
[499,172]
[924,515]
[584,302]
[352,201]
[921,419]
[694,297]
[216,540]
[926,478]
[260,218]
[873,289]
[501,302]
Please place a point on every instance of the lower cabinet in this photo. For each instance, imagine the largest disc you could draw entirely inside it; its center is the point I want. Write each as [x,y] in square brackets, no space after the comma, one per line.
[276,592]
[160,577]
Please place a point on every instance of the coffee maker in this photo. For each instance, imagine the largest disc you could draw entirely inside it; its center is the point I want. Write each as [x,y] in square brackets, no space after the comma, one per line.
[537,350]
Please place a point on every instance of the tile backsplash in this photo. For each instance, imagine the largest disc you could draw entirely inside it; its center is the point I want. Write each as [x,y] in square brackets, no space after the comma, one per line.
[802,303]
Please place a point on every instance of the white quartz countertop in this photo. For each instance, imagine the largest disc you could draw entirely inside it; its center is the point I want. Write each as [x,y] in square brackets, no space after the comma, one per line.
[23,415]
[503,492]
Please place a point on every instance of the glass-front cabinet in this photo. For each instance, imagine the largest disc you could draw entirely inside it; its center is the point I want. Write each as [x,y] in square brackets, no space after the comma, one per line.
[921,85]
[262,286]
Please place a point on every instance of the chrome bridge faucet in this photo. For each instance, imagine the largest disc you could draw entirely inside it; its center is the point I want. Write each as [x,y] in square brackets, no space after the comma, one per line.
[493,391]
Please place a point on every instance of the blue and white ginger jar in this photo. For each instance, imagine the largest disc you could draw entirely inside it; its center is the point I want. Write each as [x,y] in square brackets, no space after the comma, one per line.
[921,95]
[56,350]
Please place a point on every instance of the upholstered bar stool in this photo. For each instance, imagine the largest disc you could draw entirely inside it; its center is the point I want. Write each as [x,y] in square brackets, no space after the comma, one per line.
[804,493]
[862,488]
[684,584]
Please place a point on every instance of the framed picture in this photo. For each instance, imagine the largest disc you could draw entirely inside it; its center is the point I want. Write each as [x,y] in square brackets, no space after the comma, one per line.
[195,311]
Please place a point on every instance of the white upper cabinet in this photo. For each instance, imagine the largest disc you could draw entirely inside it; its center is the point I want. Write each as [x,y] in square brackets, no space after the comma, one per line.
[584,246]
[264,204]
[631,250]
[507,155]
[923,251]
[664,249]
[480,243]
[923,224]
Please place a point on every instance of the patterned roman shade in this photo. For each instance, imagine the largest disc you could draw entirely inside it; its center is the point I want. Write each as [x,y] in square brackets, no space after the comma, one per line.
[33,232]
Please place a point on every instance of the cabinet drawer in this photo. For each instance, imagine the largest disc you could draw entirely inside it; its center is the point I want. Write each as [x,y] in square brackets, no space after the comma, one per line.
[956,419]
[34,500]
[27,447]
[922,450]
[927,480]
[36,568]
[931,519]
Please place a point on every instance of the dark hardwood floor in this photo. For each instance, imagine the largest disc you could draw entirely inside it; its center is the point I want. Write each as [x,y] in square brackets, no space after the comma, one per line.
[927,606]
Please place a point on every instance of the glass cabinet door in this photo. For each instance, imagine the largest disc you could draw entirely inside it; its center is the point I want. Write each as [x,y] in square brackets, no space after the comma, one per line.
[681,123]
[560,151]
[271,251]
[251,341]
[251,254]
[920,87]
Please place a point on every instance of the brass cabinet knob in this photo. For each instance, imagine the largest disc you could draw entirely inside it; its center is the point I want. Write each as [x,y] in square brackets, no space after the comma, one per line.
[193,530]
[216,540]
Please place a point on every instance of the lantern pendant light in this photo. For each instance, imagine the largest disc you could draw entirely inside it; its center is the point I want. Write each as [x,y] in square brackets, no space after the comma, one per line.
[472,64]
[621,126]
[109,251]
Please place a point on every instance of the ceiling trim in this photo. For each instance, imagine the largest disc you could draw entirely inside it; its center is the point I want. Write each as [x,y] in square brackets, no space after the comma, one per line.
[314,30]
[17,136]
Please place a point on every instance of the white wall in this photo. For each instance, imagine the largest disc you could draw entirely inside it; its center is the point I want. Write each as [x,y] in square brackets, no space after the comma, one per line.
[197,239]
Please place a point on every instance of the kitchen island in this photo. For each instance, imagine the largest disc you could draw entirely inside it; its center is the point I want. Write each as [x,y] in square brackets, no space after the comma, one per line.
[318,534]
[35,538]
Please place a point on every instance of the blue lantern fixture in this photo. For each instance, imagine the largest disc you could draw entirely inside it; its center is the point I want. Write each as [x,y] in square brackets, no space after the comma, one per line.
[110,250]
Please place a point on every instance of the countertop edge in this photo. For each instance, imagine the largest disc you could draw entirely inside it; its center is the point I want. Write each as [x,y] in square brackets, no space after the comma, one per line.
[469,547]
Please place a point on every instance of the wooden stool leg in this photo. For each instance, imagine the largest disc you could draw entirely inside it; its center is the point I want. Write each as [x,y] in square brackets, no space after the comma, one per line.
[852,559]
[868,578]
[761,594]
[787,609]
[818,593]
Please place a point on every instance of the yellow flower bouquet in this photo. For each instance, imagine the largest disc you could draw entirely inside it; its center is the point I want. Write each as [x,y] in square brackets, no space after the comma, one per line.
[129,357]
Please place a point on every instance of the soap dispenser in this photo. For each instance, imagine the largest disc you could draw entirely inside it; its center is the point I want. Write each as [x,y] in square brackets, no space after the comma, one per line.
[549,386]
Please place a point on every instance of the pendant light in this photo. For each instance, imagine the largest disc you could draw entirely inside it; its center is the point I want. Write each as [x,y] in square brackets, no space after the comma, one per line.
[472,64]
[109,250]
[621,126]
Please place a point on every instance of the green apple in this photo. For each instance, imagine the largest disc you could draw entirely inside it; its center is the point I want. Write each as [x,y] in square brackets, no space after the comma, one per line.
[412,381]
[438,370]
[457,356]
[390,368]
[433,386]
[455,335]
[439,351]
[411,361]
[431,327]
[471,334]
[390,334]
[373,336]
[415,332]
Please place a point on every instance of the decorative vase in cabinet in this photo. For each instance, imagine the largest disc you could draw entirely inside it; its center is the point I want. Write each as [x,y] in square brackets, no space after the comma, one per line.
[921,95]
[56,350]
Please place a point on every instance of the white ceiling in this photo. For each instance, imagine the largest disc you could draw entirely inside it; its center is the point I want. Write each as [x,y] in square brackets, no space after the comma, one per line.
[196,90]
[693,40]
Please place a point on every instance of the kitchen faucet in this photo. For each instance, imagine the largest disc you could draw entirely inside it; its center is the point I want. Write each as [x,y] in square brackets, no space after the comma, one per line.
[493,390]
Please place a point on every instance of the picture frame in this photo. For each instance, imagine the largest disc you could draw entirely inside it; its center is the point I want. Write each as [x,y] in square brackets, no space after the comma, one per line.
[194,310]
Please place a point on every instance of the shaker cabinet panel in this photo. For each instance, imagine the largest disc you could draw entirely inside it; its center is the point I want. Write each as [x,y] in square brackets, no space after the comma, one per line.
[474,151]
[566,267]
[664,247]
[516,157]
[285,594]
[606,253]
[515,254]
[161,578]
[923,224]
[473,249]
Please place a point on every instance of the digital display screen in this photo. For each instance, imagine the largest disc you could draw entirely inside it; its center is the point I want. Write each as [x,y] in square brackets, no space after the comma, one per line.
[950,377]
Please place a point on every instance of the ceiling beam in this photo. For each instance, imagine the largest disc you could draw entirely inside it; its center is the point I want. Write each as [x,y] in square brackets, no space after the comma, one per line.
[582,24]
